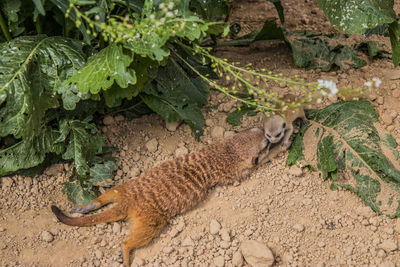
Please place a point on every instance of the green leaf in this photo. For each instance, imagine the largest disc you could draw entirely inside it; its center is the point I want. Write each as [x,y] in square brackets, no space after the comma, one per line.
[30,152]
[326,159]
[39,7]
[394,33]
[279,9]
[296,151]
[311,51]
[356,16]
[346,137]
[11,9]
[235,117]
[31,71]
[175,97]
[373,49]
[101,172]
[270,32]
[210,10]
[77,194]
[82,146]
[102,69]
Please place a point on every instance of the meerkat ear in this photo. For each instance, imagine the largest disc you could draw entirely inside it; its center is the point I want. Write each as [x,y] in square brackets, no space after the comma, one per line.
[284,125]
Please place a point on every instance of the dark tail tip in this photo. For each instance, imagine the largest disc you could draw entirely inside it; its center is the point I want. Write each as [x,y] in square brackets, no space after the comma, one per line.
[59,214]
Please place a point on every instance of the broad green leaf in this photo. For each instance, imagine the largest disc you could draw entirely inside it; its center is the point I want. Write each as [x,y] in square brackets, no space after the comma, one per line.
[311,50]
[172,95]
[31,71]
[82,146]
[356,16]
[296,151]
[77,194]
[102,69]
[29,152]
[325,157]
[101,172]
[346,137]
[394,33]
[143,70]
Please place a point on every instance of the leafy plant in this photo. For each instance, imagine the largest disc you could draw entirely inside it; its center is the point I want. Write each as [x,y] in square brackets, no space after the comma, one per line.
[349,17]
[350,141]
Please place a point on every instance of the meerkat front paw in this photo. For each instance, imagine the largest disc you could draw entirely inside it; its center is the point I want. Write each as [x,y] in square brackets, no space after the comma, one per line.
[284,144]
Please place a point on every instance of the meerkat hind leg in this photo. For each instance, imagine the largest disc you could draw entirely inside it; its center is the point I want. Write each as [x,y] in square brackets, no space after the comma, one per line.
[143,231]
[108,196]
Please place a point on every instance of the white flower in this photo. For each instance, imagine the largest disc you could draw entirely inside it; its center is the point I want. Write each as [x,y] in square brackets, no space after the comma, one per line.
[161,6]
[369,84]
[152,17]
[169,14]
[171,5]
[330,85]
[377,81]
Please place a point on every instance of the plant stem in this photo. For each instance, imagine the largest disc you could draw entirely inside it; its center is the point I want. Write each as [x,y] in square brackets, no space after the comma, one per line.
[4,28]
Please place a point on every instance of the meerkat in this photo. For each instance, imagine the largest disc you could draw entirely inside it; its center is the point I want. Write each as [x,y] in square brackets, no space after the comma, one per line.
[279,128]
[171,188]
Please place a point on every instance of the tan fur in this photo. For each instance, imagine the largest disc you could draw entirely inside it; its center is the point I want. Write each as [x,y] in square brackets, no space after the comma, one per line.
[171,188]
[279,128]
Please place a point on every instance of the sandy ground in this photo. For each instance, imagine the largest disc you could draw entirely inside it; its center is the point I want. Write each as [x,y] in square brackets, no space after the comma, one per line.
[290,210]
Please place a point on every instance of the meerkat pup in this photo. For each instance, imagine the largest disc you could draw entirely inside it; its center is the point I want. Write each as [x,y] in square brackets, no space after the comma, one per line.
[279,128]
[171,188]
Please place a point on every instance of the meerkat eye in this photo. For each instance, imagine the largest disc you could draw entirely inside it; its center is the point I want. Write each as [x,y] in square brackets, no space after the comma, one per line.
[278,134]
[255,160]
[284,125]
[267,135]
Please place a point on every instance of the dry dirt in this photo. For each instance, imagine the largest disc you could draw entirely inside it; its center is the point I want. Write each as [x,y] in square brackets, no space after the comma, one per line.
[290,210]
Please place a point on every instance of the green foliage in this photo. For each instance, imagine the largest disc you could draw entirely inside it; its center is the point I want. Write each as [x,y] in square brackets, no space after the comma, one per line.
[349,17]
[350,140]
[311,51]
[270,32]
[394,33]
[176,97]
[102,69]
[374,14]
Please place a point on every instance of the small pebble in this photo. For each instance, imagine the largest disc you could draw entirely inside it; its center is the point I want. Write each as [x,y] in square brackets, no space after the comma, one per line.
[295,171]
[47,236]
[152,145]
[219,261]
[237,259]
[298,227]
[214,227]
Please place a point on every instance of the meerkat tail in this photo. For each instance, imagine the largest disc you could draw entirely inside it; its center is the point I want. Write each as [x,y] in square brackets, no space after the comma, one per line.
[110,215]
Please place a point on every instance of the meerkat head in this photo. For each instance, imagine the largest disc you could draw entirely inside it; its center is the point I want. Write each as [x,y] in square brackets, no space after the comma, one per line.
[274,128]
[248,145]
